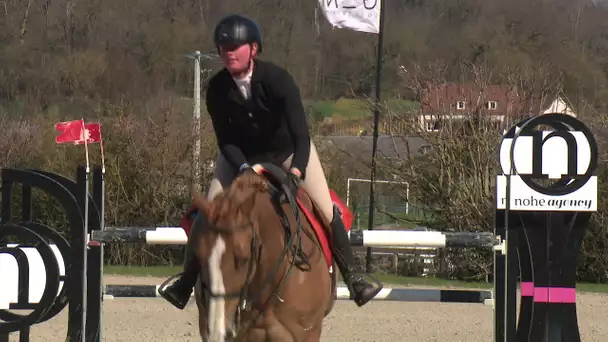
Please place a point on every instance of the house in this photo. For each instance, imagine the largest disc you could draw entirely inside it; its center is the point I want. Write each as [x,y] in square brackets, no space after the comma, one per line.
[500,104]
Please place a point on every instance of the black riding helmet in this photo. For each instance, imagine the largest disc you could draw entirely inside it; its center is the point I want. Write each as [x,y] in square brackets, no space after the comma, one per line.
[237,29]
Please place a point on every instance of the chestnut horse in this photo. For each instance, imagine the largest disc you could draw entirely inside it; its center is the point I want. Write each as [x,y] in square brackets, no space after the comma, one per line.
[263,275]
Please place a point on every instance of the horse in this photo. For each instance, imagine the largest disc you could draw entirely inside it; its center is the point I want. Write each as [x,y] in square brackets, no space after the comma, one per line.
[263,274]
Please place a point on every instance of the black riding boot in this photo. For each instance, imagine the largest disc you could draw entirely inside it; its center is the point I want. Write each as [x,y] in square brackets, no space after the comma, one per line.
[179,292]
[360,290]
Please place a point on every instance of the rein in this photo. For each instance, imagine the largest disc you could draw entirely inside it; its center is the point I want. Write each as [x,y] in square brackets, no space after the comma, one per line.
[299,260]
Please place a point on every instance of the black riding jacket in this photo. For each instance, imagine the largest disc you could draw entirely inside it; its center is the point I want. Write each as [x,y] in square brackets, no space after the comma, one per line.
[268,127]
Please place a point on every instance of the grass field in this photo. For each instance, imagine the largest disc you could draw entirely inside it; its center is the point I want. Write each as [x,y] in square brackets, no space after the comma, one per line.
[387,279]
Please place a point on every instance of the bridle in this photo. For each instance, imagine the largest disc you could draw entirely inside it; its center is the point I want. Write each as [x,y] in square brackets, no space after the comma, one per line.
[300,259]
[243,293]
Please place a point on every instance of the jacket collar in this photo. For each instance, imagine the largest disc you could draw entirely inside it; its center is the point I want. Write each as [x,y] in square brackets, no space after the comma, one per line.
[258,71]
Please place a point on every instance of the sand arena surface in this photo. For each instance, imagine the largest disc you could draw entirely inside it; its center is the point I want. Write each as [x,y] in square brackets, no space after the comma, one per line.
[153,319]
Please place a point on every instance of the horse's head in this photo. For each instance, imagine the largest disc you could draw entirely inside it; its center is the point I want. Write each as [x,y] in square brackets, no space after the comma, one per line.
[228,252]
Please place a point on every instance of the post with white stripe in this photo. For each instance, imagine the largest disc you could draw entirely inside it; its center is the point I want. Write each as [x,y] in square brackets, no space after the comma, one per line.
[546,192]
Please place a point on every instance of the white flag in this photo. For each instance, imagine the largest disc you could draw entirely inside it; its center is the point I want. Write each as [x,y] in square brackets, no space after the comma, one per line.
[357,15]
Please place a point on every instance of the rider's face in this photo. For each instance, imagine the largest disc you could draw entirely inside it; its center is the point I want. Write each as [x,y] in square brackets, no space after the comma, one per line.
[236,57]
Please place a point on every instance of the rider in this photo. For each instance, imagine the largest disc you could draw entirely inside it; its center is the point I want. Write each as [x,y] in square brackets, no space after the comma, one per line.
[258,117]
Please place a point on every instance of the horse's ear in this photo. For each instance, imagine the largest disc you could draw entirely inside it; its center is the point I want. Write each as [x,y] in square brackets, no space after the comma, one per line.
[201,202]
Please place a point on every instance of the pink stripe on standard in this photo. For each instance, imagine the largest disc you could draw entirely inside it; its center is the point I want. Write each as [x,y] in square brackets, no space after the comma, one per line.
[541,294]
[554,295]
[527,289]
[562,295]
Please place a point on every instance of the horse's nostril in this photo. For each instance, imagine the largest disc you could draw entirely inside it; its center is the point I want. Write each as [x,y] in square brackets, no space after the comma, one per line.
[229,335]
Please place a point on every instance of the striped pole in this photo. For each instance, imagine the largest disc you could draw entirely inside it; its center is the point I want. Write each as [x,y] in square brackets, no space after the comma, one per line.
[427,295]
[366,238]
[150,236]
[133,291]
[405,238]
[386,294]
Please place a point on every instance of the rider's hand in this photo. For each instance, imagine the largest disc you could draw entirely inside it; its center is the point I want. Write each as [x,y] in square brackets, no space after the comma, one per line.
[296,172]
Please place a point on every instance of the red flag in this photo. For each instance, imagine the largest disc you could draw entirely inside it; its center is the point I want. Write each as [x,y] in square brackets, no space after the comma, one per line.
[76,130]
[71,131]
[92,131]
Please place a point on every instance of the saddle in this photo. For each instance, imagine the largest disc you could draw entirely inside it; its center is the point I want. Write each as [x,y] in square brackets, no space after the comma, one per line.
[275,176]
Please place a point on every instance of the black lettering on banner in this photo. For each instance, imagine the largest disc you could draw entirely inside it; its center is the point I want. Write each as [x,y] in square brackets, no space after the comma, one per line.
[370,7]
[367,4]
[330,1]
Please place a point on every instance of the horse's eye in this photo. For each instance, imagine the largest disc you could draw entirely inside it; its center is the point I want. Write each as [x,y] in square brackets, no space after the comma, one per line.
[241,262]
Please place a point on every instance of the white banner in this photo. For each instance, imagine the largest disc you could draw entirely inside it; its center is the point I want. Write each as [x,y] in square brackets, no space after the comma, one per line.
[357,15]
[526,199]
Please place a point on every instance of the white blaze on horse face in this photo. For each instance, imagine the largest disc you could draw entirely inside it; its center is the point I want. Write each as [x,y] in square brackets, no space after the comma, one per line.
[217,305]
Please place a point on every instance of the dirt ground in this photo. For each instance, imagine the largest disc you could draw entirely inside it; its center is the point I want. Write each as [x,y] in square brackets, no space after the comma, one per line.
[152,319]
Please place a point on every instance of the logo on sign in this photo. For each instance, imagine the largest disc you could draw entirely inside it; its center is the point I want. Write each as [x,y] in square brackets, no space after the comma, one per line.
[30,276]
[549,169]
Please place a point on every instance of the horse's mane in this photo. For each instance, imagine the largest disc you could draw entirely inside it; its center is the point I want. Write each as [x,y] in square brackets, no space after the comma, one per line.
[226,213]
[249,180]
